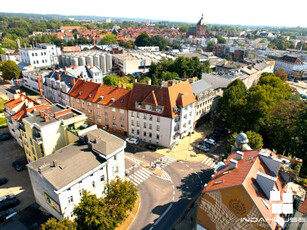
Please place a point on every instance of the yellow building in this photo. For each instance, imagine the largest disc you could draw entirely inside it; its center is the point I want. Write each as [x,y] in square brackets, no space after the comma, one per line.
[45,131]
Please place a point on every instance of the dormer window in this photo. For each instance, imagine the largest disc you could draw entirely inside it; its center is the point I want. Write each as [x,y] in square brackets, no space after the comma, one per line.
[159,109]
[138,105]
[148,107]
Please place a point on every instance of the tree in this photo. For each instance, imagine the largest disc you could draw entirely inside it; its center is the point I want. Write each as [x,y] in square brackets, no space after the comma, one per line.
[282,74]
[9,69]
[142,40]
[169,75]
[93,213]
[229,58]
[108,39]
[210,46]
[220,39]
[301,139]
[1,50]
[158,41]
[54,224]
[126,44]
[121,197]
[111,80]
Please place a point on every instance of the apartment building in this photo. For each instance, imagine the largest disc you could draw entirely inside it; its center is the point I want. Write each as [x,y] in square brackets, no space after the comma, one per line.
[242,190]
[104,105]
[290,64]
[58,180]
[161,115]
[17,108]
[44,55]
[33,80]
[49,129]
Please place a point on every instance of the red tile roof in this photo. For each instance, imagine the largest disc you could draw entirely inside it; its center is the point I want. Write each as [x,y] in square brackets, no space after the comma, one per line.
[91,91]
[303,207]
[168,97]
[71,49]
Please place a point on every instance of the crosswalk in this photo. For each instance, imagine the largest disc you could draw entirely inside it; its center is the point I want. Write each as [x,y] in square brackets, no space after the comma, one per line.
[164,161]
[209,162]
[139,176]
[133,159]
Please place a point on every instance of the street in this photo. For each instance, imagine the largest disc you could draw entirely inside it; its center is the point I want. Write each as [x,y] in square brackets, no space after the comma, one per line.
[164,199]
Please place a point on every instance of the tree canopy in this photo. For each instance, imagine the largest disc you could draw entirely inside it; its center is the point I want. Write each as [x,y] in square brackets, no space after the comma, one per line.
[145,40]
[108,39]
[9,69]
[54,224]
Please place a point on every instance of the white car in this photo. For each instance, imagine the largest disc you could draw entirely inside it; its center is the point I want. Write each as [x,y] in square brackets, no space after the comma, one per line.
[7,197]
[132,140]
[210,141]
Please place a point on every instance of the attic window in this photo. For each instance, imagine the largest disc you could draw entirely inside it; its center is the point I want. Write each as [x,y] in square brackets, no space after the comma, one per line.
[265,203]
[255,187]
[121,100]
[219,182]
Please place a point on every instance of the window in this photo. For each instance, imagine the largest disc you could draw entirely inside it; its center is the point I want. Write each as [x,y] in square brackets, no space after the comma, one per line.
[158,119]
[121,111]
[97,106]
[144,125]
[115,157]
[93,184]
[121,119]
[158,136]
[145,117]
[158,127]
[44,53]
[150,117]
[122,126]
[33,54]
[132,131]
[144,134]
[89,103]
[113,117]
[70,199]
[99,121]
[78,107]
[132,123]
[150,126]
[106,119]
[43,61]
[132,114]
[81,191]
[113,124]
[115,169]
[98,113]
[113,110]
[150,135]
[90,110]
[137,132]
[190,114]
[102,178]
[137,123]
[137,115]
[106,113]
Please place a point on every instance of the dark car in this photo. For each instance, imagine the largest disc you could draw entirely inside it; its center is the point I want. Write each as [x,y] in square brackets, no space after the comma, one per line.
[205,144]
[4,205]
[3,180]
[5,137]
[18,165]
[152,147]
[5,214]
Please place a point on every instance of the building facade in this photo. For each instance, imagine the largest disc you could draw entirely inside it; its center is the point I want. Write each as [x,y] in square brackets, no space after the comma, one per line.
[290,64]
[161,115]
[45,131]
[90,166]
[33,80]
[201,27]
[104,105]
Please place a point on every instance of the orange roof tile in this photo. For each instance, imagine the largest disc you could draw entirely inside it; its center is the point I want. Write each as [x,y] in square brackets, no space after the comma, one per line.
[303,207]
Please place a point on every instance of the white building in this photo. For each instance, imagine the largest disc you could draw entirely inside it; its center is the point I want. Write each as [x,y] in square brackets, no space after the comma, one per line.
[45,55]
[33,80]
[290,64]
[149,48]
[161,115]
[58,180]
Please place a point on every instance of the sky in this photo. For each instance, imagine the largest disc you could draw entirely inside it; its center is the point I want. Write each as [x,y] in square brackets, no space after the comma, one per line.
[240,12]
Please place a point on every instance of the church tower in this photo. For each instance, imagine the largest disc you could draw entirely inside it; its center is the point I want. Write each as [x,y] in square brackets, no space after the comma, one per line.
[201,27]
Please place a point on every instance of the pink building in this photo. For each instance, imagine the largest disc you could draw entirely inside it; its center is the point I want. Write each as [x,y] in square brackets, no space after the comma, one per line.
[104,105]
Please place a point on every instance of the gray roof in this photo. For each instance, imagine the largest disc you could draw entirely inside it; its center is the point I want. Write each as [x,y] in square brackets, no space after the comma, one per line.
[75,160]
[218,81]
[103,142]
[37,118]
[200,86]
[201,21]
[66,78]
[241,138]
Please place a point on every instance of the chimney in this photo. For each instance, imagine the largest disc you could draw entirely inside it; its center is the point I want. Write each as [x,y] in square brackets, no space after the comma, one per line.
[43,168]
[41,92]
[73,80]
[48,110]
[30,104]
[47,118]
[91,80]
[55,163]
[58,76]
[233,164]
[239,155]
[16,96]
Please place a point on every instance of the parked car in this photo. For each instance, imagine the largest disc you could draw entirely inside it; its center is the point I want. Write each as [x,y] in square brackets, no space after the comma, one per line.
[202,148]
[4,205]
[4,215]
[205,144]
[152,147]
[19,166]
[132,140]
[5,137]
[3,180]
[7,197]
[210,141]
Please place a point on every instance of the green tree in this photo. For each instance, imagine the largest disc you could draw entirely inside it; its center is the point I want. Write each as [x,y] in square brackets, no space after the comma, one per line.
[229,58]
[108,39]
[301,139]
[143,40]
[282,74]
[169,75]
[158,41]
[220,39]
[9,69]
[210,46]
[111,80]
[93,213]
[1,50]
[126,44]
[54,224]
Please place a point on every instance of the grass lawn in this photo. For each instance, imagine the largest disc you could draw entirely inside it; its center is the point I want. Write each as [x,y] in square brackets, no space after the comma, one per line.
[2,101]
[2,121]
[131,215]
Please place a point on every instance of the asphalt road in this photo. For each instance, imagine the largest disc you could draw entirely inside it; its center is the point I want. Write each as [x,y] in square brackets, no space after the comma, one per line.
[163,202]
[7,90]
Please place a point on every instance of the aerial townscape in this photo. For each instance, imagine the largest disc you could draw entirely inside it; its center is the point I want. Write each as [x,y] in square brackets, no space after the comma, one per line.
[151,124]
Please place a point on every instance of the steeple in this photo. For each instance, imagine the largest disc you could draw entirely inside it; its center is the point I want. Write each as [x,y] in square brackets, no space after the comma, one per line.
[201,21]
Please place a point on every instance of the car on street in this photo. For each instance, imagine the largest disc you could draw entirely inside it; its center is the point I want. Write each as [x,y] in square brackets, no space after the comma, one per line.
[202,148]
[3,180]
[152,147]
[132,140]
[19,166]
[4,215]
[210,141]
[4,205]
[7,197]
[5,137]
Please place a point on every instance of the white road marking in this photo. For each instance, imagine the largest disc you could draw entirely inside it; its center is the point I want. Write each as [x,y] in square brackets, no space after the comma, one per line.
[173,198]
[161,217]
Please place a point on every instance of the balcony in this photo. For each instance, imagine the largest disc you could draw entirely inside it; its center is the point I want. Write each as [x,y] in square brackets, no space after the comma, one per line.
[37,139]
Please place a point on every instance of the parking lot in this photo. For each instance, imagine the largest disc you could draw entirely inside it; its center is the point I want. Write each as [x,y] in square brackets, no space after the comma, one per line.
[18,182]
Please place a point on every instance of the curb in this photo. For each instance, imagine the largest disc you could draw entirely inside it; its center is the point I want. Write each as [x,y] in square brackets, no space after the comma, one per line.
[136,212]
